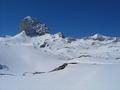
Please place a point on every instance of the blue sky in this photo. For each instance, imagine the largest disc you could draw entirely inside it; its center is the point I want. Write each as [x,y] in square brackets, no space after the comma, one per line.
[74,18]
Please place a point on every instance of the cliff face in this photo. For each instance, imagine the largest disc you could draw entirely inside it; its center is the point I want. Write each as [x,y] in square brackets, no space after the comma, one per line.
[33,27]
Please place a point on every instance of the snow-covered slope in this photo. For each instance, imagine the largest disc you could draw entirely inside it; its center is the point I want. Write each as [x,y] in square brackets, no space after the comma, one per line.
[52,62]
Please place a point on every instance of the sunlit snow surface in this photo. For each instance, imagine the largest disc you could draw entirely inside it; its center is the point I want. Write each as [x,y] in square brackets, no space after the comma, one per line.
[96,63]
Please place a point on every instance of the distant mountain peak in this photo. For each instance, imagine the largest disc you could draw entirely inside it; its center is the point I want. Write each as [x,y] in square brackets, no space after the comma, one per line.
[33,27]
[28,17]
[95,36]
[100,37]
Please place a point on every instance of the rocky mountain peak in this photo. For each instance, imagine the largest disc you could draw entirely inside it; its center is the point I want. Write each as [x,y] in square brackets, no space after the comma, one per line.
[100,37]
[33,27]
[28,17]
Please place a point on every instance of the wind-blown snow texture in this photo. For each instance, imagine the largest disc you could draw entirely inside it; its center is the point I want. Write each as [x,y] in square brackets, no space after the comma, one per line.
[52,62]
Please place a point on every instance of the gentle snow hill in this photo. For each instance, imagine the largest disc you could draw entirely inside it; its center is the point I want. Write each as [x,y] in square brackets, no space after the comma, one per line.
[95,65]
[54,62]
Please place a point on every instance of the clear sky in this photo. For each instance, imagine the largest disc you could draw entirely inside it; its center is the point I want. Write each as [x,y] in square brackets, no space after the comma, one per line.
[72,17]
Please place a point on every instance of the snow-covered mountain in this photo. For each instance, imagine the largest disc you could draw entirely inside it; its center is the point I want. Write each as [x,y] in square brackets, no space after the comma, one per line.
[37,60]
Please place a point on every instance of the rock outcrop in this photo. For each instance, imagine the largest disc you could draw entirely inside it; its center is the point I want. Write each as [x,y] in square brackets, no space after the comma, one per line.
[33,27]
[3,67]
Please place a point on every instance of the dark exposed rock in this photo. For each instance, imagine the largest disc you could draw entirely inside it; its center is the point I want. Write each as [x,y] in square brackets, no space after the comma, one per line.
[84,56]
[38,73]
[63,66]
[118,58]
[32,73]
[5,74]
[44,45]
[73,63]
[60,67]
[33,27]
[3,67]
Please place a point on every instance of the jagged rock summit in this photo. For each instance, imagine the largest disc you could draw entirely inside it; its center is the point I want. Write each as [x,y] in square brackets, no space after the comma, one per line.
[33,27]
